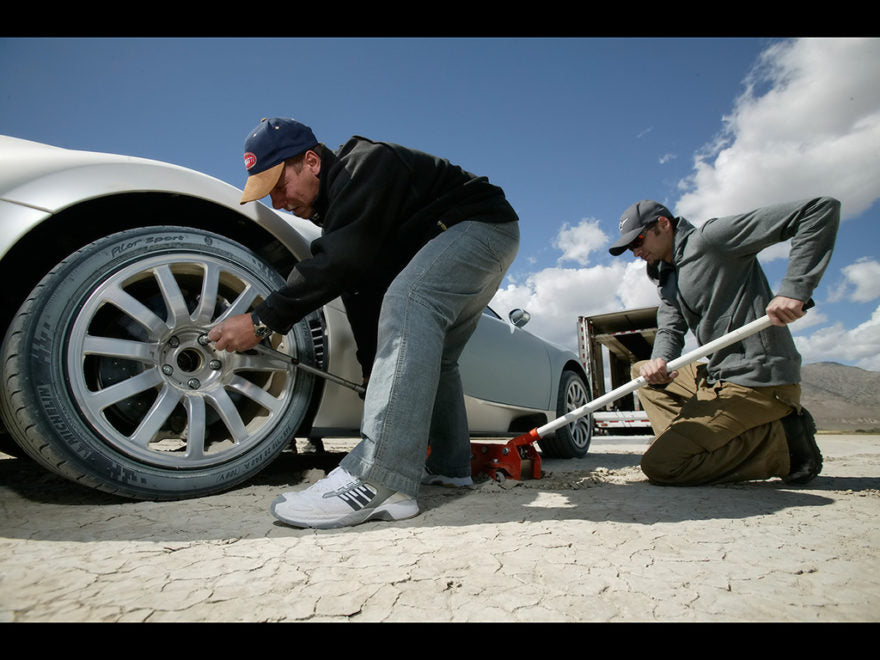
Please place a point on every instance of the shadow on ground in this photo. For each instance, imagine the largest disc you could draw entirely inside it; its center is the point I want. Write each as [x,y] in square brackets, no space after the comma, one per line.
[601,488]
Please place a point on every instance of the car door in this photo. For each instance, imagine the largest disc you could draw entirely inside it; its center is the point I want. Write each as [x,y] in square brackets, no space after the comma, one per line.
[505,364]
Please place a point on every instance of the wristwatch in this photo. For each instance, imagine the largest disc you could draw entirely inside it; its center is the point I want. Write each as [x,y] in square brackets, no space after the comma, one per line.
[261,330]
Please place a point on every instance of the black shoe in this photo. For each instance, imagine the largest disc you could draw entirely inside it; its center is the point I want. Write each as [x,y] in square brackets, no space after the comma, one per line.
[803,452]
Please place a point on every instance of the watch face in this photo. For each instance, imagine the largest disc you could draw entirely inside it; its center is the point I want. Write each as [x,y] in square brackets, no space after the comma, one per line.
[261,330]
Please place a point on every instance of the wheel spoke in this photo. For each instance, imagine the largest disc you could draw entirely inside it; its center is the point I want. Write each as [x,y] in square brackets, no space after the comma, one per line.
[127,388]
[204,313]
[261,362]
[241,304]
[258,394]
[195,430]
[120,348]
[156,417]
[178,313]
[226,408]
[133,308]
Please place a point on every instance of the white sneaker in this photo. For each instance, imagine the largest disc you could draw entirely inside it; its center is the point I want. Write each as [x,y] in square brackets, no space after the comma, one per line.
[431,479]
[342,500]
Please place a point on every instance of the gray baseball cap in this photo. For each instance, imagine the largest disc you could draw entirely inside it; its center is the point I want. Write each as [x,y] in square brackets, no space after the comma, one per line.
[635,219]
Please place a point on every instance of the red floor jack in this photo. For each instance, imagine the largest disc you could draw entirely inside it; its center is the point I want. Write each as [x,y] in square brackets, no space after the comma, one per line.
[518,458]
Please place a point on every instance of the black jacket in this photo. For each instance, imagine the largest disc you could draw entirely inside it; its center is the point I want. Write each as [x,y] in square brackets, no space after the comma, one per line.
[378,204]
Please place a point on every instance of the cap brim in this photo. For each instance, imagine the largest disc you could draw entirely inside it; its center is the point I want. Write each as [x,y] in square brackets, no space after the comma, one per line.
[260,185]
[623,243]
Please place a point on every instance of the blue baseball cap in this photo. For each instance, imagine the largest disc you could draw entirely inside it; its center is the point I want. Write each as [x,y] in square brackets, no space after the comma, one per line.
[266,148]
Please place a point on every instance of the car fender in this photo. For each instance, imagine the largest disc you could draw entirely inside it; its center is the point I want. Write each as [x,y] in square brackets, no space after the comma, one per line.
[46,180]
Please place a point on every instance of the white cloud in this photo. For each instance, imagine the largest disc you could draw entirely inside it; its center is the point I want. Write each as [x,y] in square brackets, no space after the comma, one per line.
[635,289]
[555,297]
[837,291]
[808,124]
[859,346]
[864,275]
[860,282]
[576,243]
[778,251]
[809,320]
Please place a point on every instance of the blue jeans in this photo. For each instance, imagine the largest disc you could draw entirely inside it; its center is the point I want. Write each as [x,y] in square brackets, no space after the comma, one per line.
[415,395]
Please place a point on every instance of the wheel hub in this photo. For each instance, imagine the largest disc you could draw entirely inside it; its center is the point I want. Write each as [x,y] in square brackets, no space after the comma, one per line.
[188,363]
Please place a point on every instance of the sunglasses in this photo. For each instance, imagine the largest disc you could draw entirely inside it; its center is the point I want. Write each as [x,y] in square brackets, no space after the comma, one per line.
[638,240]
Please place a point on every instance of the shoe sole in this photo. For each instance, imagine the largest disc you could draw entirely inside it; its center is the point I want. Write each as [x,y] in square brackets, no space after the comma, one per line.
[386,511]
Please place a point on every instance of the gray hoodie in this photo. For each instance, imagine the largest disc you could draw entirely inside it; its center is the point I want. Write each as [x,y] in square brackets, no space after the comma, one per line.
[717,285]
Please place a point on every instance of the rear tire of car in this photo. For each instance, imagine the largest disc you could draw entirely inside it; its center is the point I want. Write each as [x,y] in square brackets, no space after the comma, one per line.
[573,440]
[109,380]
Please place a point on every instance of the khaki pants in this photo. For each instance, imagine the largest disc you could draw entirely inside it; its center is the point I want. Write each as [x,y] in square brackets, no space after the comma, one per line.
[715,433]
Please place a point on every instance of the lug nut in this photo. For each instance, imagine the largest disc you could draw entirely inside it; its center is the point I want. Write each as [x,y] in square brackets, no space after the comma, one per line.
[193,383]
[174,342]
[167,369]
[203,340]
[215,364]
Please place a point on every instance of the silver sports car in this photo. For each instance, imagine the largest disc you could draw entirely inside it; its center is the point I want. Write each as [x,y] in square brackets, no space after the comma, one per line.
[113,270]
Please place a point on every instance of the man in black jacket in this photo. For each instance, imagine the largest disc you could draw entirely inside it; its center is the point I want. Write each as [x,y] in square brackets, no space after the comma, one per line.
[416,247]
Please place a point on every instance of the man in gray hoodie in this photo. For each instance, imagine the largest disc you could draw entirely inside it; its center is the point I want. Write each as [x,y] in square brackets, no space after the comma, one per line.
[738,417]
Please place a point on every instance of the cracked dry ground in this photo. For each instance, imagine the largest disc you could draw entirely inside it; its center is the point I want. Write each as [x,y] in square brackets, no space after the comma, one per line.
[591,541]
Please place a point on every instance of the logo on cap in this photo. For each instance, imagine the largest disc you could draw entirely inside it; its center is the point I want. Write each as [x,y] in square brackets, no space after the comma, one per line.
[623,221]
[250,160]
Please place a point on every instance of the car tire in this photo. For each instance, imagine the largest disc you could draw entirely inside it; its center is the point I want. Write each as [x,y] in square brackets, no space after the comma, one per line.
[572,440]
[109,380]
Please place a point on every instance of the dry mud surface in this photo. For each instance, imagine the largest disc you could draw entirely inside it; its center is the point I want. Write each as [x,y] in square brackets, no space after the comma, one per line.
[592,541]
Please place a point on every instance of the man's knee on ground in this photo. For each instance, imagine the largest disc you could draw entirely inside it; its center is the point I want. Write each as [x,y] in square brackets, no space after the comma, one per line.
[656,468]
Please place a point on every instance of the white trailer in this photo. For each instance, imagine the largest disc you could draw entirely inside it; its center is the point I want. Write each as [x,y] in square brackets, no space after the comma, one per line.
[627,337]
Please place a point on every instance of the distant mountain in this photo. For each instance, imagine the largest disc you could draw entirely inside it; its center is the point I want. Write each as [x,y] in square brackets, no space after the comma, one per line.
[841,398]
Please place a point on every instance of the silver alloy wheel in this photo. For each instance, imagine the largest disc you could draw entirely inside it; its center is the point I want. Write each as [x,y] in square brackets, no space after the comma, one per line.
[572,440]
[576,397]
[146,380]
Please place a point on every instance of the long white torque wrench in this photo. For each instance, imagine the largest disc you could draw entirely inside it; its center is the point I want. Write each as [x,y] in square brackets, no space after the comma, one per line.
[706,349]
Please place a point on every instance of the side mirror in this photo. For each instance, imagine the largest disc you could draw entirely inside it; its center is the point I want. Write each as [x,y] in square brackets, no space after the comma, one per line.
[519,317]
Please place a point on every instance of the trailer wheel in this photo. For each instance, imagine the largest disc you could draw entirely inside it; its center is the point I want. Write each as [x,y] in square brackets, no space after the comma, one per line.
[573,440]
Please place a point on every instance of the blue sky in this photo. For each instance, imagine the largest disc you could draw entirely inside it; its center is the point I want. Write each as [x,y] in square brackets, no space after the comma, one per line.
[573,129]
